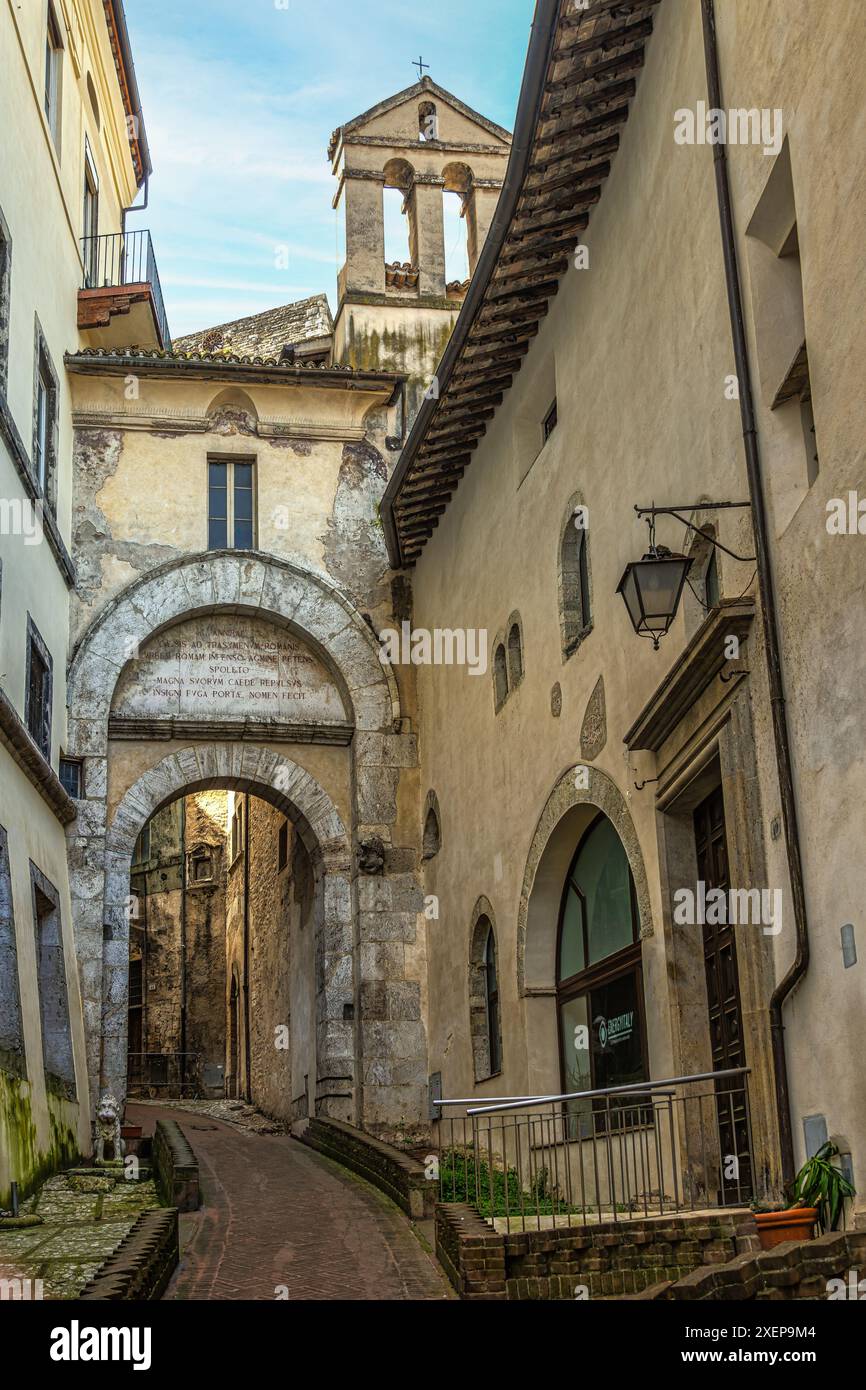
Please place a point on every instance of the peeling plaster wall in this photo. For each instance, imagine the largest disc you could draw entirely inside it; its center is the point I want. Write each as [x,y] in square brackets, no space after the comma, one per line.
[141,482]
[387,338]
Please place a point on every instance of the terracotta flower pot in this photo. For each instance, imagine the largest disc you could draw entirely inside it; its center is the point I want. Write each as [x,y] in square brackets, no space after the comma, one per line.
[774,1227]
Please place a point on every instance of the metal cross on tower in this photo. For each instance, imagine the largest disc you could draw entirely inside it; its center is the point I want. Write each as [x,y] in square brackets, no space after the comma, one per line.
[420,65]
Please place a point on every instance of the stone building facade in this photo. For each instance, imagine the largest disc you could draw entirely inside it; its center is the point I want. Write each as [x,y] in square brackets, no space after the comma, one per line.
[73,158]
[176,1036]
[588,757]
[471,872]
[232,579]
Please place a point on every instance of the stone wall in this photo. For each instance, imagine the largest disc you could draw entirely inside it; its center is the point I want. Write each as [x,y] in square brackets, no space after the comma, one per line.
[578,1262]
[402,1177]
[829,1267]
[175,1167]
[282,977]
[142,1264]
[177,932]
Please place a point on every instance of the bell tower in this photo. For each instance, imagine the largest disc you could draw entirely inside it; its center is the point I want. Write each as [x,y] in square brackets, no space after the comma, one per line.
[425,143]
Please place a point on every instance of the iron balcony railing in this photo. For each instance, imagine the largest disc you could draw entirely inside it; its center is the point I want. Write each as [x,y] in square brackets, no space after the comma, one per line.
[169,1075]
[125,258]
[652,1148]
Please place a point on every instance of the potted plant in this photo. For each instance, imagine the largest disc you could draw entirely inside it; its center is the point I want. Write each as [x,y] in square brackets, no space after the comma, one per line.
[818,1194]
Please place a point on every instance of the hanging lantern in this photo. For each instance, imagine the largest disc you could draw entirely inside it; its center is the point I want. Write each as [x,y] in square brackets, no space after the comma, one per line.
[651,589]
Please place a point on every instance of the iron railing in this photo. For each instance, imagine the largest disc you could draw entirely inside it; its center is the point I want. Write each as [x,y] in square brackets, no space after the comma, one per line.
[652,1148]
[166,1075]
[125,258]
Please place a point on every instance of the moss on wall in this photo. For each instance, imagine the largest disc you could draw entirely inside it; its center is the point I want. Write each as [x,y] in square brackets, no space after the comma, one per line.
[28,1165]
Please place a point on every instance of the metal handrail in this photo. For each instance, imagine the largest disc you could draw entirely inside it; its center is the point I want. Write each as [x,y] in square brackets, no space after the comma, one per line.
[470,1100]
[518,1102]
[611,1153]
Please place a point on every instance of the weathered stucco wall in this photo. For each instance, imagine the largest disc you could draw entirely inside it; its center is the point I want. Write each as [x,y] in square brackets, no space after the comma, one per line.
[282,975]
[637,349]
[142,481]
[41,182]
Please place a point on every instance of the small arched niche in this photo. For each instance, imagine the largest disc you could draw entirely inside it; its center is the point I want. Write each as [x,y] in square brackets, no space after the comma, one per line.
[485,1016]
[236,404]
[515,651]
[500,673]
[431,842]
[428,121]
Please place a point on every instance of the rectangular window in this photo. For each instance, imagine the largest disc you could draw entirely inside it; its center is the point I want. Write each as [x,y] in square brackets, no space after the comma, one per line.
[43,425]
[237,831]
[45,398]
[37,694]
[549,423]
[71,770]
[231,505]
[135,991]
[90,220]
[11,1034]
[53,995]
[53,60]
[602,1046]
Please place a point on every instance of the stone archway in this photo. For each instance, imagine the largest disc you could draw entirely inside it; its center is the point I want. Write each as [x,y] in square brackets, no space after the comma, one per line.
[279,780]
[568,811]
[364,901]
[227,581]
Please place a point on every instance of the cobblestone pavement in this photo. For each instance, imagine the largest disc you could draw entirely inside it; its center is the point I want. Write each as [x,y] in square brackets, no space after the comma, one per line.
[281,1221]
[84,1217]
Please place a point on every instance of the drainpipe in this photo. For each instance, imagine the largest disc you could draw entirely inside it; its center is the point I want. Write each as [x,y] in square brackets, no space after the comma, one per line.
[135,207]
[182,1068]
[768,608]
[248,1088]
[144,1020]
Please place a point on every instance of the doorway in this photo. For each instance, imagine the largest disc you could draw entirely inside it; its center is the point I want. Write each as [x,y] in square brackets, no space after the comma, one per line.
[725,1012]
[232,1080]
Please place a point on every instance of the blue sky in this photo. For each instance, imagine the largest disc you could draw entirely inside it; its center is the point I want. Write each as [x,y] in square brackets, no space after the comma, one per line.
[240,98]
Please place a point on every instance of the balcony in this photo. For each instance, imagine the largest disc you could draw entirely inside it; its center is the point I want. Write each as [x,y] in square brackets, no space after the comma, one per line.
[121,281]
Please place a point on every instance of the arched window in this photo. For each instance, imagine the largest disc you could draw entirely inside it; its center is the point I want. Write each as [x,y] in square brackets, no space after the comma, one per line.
[484,1008]
[500,675]
[457,181]
[432,840]
[398,180]
[515,655]
[491,987]
[428,121]
[575,612]
[599,986]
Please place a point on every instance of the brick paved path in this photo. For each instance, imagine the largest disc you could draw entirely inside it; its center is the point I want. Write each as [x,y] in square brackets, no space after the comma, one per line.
[276,1214]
